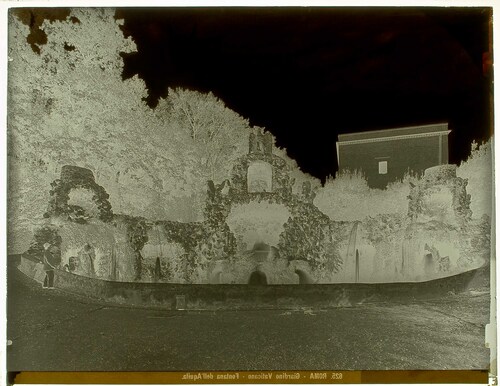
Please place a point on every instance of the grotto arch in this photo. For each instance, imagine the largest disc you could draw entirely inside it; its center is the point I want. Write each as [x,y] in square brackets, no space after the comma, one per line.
[77,178]
[257,278]
[257,225]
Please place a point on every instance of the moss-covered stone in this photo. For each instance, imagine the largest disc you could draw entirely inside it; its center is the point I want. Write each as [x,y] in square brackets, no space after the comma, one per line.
[74,177]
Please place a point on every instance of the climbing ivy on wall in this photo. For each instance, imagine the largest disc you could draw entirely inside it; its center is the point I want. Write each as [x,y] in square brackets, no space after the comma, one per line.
[218,203]
[186,234]
[384,227]
[203,243]
[45,234]
[308,236]
[444,175]
[281,182]
[416,201]
[477,243]
[73,177]
[217,244]
[137,234]
[461,202]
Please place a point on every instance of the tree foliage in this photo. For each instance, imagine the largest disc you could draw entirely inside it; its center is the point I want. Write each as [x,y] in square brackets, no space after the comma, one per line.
[69,105]
[215,134]
[349,198]
[477,169]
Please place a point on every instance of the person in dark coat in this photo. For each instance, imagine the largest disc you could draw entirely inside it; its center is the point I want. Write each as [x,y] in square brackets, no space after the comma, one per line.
[90,252]
[48,266]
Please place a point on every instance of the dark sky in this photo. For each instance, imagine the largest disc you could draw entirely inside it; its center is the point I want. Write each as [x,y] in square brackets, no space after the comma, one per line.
[308,74]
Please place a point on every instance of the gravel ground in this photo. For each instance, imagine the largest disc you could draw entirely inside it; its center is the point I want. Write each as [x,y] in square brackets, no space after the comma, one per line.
[53,331]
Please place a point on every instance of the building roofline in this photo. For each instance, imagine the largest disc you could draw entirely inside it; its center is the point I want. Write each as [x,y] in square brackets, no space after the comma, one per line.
[393,138]
[433,128]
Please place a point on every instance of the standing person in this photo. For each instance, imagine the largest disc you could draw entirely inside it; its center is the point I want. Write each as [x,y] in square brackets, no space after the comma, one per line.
[91,257]
[48,267]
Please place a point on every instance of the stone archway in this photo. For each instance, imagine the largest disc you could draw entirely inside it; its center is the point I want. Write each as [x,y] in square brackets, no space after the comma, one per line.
[80,179]
[257,225]
[257,278]
[304,278]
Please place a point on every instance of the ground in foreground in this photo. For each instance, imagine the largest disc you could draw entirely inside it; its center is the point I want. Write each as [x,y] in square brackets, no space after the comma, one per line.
[53,331]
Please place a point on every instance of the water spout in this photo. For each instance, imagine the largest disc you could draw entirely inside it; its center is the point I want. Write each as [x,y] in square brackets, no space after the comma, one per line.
[357,267]
[113,269]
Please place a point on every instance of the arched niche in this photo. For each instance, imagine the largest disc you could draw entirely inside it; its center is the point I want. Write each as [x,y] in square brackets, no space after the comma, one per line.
[257,278]
[304,277]
[259,177]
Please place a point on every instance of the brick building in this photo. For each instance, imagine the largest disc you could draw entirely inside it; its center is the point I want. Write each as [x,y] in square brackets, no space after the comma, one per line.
[386,155]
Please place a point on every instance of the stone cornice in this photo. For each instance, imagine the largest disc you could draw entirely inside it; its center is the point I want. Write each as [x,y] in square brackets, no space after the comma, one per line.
[393,138]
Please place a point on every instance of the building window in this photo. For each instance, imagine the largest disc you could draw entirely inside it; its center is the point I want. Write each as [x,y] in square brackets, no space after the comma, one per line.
[382,167]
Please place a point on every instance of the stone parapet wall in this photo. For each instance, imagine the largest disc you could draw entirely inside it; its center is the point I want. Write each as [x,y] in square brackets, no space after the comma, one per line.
[234,296]
[28,266]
